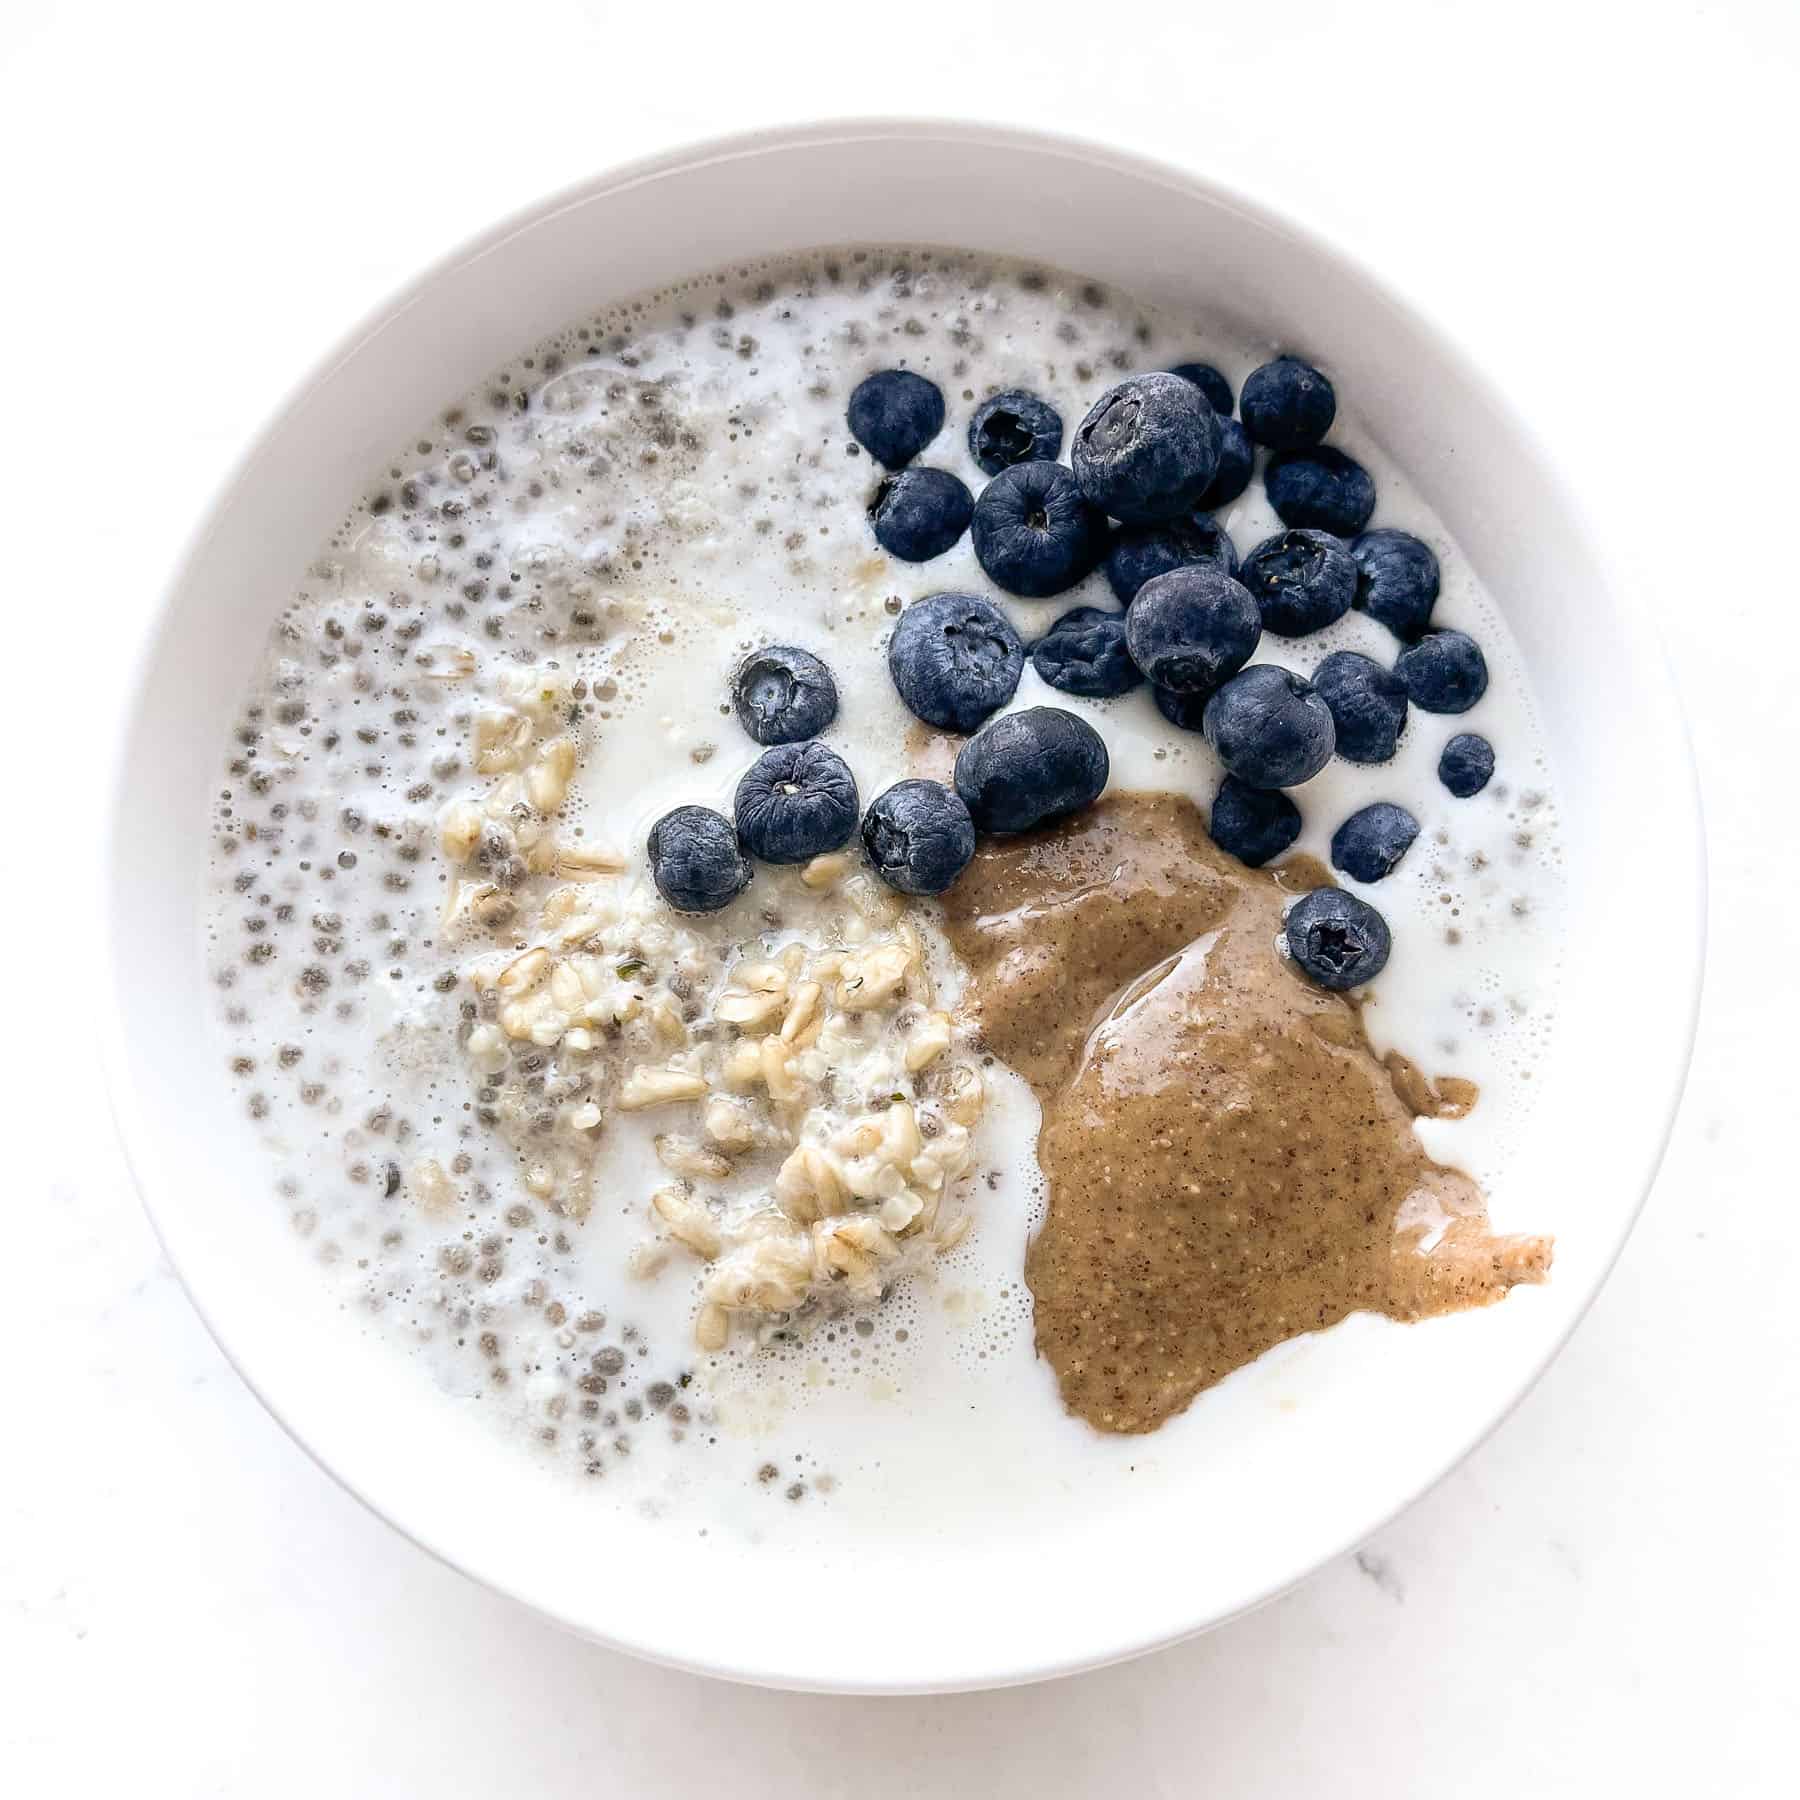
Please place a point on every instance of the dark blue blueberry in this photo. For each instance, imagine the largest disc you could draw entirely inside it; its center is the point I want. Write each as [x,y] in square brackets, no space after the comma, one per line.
[1253,824]
[1396,580]
[920,513]
[919,836]
[1288,404]
[1322,489]
[895,414]
[796,802]
[1084,653]
[1186,712]
[1444,672]
[1148,449]
[1371,842]
[1337,941]
[1140,553]
[1192,628]
[1269,728]
[783,694]
[1367,702]
[1236,460]
[1030,768]
[1211,382]
[955,658]
[1034,534]
[1014,427]
[1467,764]
[695,860]
[1301,580]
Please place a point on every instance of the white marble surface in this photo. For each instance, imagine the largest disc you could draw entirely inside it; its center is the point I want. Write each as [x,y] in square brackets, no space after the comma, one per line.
[1599,199]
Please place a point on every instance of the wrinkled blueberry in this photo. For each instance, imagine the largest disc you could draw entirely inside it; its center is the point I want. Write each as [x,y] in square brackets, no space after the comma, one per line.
[783,694]
[919,836]
[1337,940]
[1211,382]
[1237,458]
[1140,553]
[920,513]
[895,414]
[1367,702]
[1014,427]
[1034,534]
[1253,824]
[1301,581]
[1186,712]
[695,860]
[1322,489]
[1467,764]
[1084,653]
[1269,728]
[1030,768]
[796,802]
[1444,672]
[954,659]
[1148,449]
[1288,404]
[1371,841]
[1396,580]
[1192,628]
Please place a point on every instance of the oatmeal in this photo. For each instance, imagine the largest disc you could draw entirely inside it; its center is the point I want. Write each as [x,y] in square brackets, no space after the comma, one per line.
[683,1197]
[817,1117]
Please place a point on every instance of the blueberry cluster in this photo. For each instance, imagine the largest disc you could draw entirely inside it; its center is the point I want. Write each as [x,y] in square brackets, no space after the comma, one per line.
[796,801]
[1274,730]
[918,513]
[1148,465]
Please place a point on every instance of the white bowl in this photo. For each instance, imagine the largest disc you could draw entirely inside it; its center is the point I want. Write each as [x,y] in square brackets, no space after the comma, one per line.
[1273,1498]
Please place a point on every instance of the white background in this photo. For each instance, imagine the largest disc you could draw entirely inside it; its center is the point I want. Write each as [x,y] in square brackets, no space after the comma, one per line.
[1598,198]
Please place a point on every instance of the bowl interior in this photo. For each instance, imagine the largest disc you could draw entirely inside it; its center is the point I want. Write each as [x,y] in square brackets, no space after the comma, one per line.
[1383,1414]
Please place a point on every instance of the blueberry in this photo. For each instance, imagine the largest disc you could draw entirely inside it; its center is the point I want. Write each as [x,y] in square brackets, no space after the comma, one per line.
[1034,534]
[1322,489]
[1186,712]
[796,802]
[1139,553]
[1253,824]
[895,414]
[920,513]
[1288,404]
[1338,941]
[1211,382]
[1396,580]
[1269,727]
[1237,458]
[1014,427]
[1367,702]
[1301,581]
[783,694]
[919,836]
[1444,672]
[1467,764]
[954,659]
[1084,653]
[695,860]
[1371,841]
[1030,768]
[1192,628]
[1148,449]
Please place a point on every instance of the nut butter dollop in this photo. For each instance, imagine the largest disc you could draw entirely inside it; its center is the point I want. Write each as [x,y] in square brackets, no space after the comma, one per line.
[1228,1165]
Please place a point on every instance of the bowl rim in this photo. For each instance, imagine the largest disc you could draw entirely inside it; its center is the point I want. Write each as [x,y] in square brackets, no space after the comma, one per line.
[1680,816]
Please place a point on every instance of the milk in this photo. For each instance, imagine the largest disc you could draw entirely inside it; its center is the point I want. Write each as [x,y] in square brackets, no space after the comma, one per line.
[697,495]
